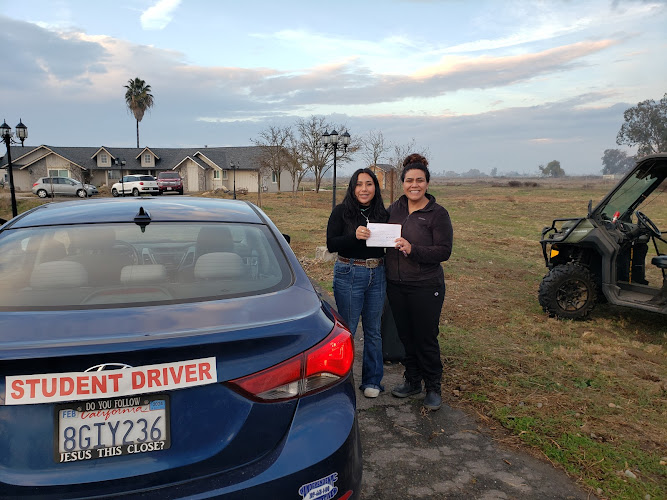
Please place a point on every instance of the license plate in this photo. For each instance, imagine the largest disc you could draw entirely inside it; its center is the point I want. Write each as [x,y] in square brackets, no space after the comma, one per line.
[88,430]
[168,189]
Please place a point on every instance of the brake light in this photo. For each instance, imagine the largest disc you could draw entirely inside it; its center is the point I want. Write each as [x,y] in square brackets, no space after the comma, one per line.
[141,183]
[320,366]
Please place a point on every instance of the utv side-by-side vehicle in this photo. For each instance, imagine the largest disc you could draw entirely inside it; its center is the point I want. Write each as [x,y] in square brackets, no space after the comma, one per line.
[617,252]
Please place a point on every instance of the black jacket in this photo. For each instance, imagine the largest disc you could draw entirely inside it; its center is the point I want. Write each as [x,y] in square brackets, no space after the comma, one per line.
[429,231]
[341,238]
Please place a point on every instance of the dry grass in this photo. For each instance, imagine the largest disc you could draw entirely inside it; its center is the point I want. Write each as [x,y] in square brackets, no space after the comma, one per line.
[590,395]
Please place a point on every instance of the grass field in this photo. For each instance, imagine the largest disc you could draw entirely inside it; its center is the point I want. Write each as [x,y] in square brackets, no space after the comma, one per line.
[589,396]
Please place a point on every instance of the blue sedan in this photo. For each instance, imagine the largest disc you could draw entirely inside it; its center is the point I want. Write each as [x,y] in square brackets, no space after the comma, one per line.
[168,348]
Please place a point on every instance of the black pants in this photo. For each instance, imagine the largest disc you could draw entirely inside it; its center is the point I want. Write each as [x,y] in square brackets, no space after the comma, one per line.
[416,309]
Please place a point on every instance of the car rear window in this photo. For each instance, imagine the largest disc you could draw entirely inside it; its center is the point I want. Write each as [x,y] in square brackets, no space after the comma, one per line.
[168,175]
[147,178]
[121,265]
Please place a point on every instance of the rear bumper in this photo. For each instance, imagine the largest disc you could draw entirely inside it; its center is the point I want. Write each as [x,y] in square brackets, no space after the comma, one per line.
[164,189]
[321,450]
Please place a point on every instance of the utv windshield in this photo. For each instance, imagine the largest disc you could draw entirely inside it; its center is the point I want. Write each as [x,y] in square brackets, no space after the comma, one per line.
[634,190]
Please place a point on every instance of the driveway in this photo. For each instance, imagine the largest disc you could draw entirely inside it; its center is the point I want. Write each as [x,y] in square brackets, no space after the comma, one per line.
[411,453]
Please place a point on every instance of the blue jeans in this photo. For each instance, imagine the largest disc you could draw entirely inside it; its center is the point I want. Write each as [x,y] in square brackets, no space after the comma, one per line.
[360,292]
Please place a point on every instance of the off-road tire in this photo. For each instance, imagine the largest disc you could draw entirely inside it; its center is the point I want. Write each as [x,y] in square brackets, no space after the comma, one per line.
[568,291]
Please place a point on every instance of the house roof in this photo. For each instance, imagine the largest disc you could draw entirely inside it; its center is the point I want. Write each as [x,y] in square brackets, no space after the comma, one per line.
[147,149]
[246,157]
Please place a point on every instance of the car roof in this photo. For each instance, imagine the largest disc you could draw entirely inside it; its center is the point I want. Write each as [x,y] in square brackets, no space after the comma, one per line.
[163,209]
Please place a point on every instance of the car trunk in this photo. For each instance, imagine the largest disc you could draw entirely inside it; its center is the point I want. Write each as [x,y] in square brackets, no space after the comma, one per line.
[211,427]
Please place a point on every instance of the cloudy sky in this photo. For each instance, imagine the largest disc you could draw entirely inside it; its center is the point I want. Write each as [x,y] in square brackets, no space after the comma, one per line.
[479,84]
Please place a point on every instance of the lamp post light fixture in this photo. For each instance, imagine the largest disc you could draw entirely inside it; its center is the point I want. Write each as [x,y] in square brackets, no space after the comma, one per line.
[234,167]
[332,139]
[6,135]
[121,163]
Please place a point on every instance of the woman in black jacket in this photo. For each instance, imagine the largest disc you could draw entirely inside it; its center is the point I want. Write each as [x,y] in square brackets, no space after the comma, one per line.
[416,281]
[359,282]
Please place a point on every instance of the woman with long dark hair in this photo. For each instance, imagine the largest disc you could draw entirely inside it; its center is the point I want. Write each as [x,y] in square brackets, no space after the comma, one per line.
[359,280]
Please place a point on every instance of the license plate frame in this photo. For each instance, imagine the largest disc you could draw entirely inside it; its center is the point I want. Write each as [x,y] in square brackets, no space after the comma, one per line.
[96,413]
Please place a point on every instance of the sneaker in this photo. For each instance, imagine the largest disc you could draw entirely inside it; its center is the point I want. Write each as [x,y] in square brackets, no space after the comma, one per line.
[407,389]
[371,392]
[433,400]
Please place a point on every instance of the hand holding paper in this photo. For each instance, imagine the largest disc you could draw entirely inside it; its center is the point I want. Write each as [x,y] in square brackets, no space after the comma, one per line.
[383,235]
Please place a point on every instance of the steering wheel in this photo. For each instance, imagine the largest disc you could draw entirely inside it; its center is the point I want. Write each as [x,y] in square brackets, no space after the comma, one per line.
[648,224]
[125,249]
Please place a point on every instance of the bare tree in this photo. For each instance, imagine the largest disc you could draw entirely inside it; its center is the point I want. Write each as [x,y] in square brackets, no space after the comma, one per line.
[295,162]
[81,175]
[399,153]
[272,142]
[317,159]
[373,147]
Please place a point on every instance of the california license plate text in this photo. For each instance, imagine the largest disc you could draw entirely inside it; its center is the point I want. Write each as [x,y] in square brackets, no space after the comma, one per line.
[89,430]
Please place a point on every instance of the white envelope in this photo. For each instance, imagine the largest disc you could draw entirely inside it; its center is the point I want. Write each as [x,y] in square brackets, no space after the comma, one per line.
[383,235]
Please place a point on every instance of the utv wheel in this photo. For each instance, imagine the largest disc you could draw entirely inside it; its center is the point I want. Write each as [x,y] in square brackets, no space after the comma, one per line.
[568,291]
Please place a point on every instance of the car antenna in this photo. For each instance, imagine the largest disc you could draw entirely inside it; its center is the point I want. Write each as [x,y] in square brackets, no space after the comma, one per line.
[142,219]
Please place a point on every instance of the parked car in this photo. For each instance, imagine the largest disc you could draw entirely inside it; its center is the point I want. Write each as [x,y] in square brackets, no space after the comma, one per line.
[62,186]
[135,185]
[162,348]
[169,181]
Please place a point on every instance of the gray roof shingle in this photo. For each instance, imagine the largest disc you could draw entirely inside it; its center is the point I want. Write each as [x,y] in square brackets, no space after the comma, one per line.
[246,157]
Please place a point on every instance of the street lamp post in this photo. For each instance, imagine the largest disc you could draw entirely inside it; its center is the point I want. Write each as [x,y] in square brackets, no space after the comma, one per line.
[234,167]
[332,140]
[121,163]
[6,135]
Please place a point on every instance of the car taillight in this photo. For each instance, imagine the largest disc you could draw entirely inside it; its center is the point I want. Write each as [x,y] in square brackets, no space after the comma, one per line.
[141,183]
[320,366]
[35,184]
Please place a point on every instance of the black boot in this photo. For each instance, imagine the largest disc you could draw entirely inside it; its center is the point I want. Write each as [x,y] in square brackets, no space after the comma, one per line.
[433,399]
[407,388]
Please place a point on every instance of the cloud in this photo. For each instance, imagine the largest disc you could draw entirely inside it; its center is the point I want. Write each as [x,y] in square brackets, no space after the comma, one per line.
[159,15]
[35,56]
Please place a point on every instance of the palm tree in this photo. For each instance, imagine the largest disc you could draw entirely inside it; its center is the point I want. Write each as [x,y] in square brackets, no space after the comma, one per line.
[138,99]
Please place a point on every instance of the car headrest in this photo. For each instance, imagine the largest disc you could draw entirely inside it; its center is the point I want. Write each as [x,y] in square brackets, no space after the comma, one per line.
[214,239]
[58,274]
[147,273]
[219,265]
